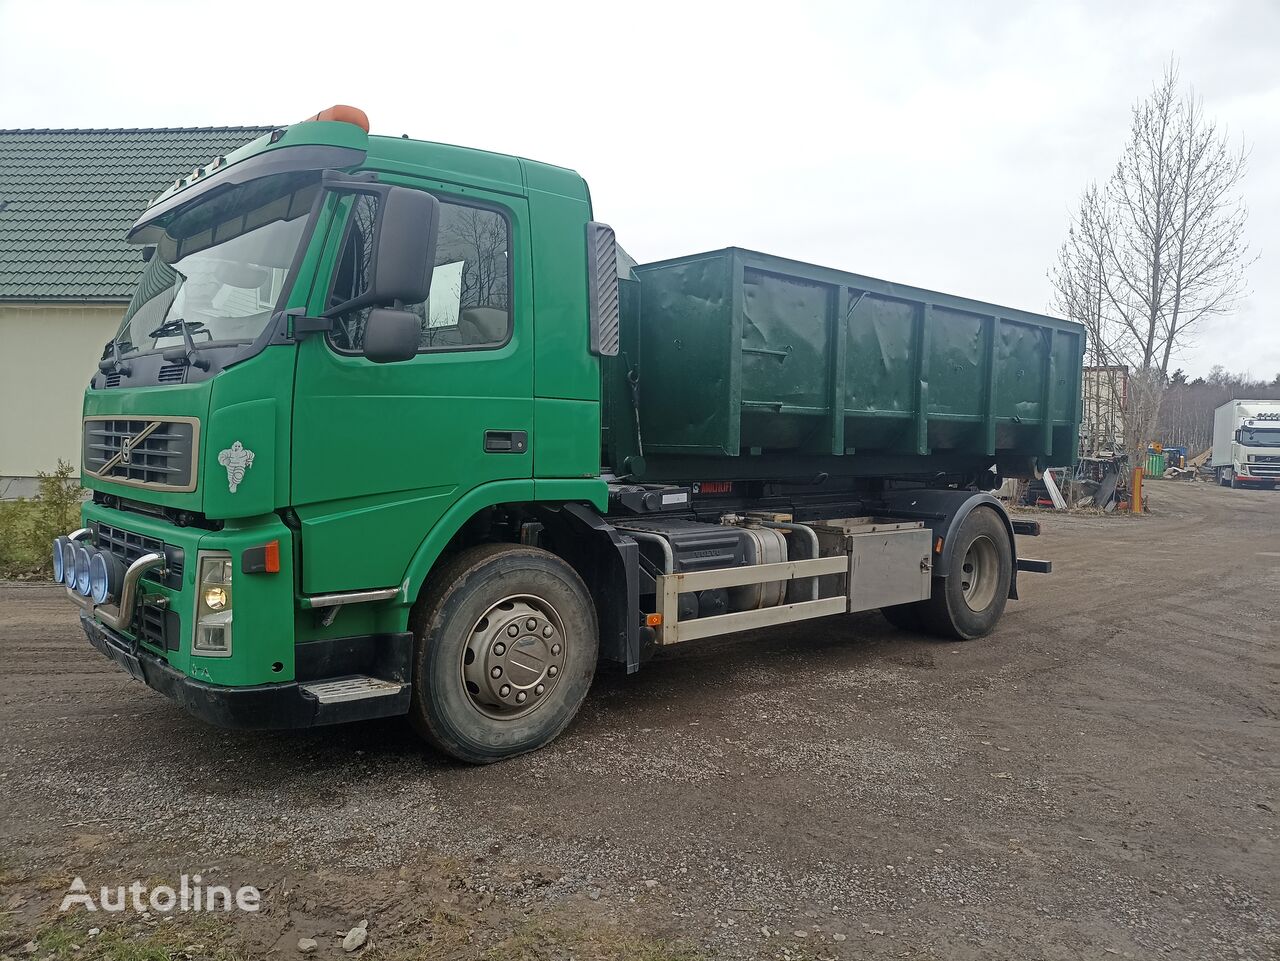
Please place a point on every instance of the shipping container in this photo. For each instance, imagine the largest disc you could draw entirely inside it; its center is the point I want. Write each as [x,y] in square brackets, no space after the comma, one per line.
[739,364]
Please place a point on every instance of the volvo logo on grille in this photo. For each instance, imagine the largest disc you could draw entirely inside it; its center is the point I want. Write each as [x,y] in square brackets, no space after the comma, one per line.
[124,456]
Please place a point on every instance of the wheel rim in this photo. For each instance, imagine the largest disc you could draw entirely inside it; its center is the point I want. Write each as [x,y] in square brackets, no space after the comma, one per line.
[515,657]
[980,573]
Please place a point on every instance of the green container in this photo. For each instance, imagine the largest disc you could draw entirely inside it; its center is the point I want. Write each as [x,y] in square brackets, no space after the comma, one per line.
[752,366]
[1155,465]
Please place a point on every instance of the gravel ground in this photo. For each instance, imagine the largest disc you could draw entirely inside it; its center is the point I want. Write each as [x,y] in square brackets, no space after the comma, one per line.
[1098,778]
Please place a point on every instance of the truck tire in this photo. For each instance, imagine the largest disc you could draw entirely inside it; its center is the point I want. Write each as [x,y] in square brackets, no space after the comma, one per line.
[505,648]
[968,601]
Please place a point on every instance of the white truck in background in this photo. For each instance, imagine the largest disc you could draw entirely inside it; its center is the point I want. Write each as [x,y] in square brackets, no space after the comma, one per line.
[1246,443]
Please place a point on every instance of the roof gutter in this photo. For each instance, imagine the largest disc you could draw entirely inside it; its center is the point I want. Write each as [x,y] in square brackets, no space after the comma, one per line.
[58,300]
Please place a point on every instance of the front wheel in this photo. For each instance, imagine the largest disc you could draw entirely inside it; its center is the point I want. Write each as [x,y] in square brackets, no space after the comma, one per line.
[505,649]
[967,602]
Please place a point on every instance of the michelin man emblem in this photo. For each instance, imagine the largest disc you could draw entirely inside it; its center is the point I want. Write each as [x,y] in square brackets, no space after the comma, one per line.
[236,459]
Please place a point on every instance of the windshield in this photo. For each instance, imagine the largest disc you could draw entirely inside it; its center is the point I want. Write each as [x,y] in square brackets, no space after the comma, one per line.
[219,269]
[1260,436]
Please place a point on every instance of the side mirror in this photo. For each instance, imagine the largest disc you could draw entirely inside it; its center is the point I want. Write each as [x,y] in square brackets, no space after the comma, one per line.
[406,247]
[404,250]
[391,335]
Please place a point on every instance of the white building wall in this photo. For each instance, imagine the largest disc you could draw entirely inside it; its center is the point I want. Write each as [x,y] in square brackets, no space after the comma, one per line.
[48,352]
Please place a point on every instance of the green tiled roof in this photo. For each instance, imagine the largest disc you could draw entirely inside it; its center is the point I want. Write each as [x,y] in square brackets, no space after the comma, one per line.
[68,196]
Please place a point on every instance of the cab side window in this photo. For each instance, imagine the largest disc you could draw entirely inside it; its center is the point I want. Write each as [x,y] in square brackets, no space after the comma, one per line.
[470,302]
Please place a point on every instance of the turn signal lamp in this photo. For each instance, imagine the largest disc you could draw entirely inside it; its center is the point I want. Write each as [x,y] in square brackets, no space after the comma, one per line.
[341,113]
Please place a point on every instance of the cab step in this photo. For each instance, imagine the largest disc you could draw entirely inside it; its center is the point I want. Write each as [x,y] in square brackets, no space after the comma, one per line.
[357,687]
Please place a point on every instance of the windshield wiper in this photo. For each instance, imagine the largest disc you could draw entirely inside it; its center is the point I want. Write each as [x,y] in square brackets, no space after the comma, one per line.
[185,355]
[113,363]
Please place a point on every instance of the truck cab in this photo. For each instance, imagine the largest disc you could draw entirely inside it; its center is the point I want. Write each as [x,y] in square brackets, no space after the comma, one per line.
[345,457]
[1246,444]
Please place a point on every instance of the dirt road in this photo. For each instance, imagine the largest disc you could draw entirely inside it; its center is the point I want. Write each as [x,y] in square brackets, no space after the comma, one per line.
[1097,779]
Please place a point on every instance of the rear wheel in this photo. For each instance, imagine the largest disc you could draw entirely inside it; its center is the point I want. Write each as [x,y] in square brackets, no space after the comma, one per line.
[967,602]
[506,644]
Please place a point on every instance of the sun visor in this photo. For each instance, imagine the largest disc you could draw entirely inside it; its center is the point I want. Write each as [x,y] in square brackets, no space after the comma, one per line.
[274,164]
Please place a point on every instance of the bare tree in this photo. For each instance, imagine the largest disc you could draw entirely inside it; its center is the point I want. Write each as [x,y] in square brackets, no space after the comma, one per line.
[1159,249]
[478,238]
[1081,292]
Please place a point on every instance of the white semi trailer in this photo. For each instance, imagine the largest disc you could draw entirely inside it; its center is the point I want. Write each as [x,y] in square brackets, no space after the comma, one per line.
[1246,443]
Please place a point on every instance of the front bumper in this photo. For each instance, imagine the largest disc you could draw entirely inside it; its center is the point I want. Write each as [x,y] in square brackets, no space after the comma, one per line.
[1267,479]
[281,706]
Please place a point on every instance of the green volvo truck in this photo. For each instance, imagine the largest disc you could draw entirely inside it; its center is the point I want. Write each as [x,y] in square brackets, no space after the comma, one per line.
[395,428]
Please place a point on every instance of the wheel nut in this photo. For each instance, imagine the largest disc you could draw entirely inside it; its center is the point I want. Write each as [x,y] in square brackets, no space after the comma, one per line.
[555,648]
[496,672]
[499,649]
[520,697]
[539,689]
[552,671]
[513,630]
[504,690]
[531,624]
[546,631]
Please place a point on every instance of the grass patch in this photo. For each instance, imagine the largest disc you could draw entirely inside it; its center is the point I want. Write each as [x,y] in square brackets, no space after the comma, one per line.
[18,557]
[67,940]
[59,940]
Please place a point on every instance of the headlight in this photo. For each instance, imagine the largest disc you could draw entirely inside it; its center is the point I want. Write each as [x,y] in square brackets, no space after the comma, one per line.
[216,598]
[82,571]
[213,606]
[58,572]
[69,562]
[106,575]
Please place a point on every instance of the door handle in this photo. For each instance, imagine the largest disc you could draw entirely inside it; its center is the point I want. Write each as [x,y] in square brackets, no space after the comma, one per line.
[506,441]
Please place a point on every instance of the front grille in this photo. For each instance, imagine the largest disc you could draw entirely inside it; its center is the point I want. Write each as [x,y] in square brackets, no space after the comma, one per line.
[128,547]
[113,380]
[1264,469]
[143,452]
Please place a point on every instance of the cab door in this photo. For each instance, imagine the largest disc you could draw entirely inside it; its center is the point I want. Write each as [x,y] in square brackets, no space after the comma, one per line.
[381,451]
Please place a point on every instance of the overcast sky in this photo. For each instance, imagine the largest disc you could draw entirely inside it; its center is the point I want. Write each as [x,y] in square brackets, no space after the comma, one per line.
[937,144]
